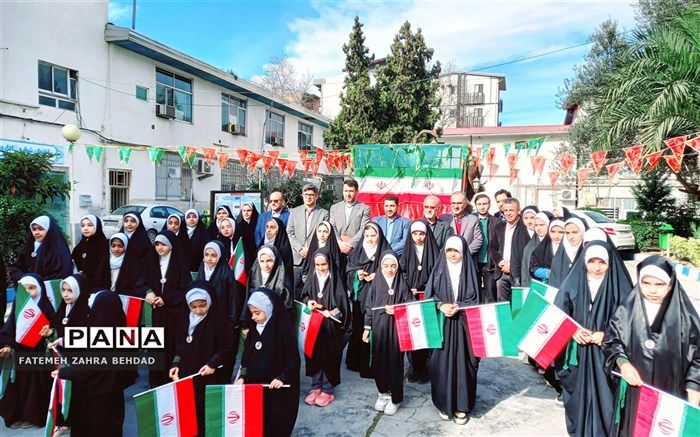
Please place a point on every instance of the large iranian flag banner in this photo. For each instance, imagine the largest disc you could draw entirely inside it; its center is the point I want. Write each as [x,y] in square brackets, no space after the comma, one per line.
[418,326]
[547,291]
[308,323]
[28,318]
[411,171]
[168,410]
[542,330]
[490,330]
[234,410]
[660,414]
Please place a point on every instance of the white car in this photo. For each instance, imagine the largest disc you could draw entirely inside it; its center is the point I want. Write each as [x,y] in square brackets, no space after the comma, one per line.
[620,234]
[152,216]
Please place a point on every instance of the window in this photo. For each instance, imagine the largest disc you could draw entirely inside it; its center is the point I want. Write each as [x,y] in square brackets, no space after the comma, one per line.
[159,212]
[479,88]
[454,113]
[173,178]
[500,106]
[142,93]
[306,135]
[119,183]
[478,112]
[233,111]
[174,90]
[58,86]
[274,129]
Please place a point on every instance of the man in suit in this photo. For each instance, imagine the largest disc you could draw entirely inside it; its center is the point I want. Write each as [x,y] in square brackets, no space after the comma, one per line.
[463,223]
[394,226]
[301,225]
[441,230]
[485,269]
[349,217]
[508,240]
[277,209]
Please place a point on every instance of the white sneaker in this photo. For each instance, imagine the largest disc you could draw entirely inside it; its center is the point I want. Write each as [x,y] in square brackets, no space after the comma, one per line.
[391,408]
[382,401]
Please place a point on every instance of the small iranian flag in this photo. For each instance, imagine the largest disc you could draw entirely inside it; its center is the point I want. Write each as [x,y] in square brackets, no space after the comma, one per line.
[234,410]
[168,410]
[7,372]
[237,263]
[58,402]
[28,318]
[489,328]
[132,309]
[660,414]
[308,324]
[542,330]
[547,291]
[53,292]
[417,326]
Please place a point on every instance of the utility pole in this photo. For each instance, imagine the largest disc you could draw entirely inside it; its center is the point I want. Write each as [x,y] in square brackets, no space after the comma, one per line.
[133,15]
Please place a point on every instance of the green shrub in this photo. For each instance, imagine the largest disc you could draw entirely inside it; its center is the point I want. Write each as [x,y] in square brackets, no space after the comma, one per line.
[16,214]
[646,234]
[683,217]
[686,249]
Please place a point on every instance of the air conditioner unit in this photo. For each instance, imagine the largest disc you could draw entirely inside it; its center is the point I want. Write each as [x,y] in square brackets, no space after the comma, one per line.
[202,168]
[567,194]
[231,128]
[165,111]
[174,172]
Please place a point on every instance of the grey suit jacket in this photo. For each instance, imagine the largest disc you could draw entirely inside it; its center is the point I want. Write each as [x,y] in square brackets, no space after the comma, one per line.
[359,217]
[441,231]
[299,235]
[471,230]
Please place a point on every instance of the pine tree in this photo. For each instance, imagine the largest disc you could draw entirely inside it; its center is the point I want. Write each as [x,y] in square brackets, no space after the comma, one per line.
[653,195]
[407,88]
[355,121]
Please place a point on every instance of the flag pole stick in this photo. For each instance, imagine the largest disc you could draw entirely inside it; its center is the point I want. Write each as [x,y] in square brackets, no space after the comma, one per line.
[330,317]
[405,303]
[171,383]
[619,375]
[284,386]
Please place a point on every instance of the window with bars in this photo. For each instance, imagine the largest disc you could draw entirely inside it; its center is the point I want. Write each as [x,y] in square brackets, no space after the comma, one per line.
[173,178]
[233,114]
[274,129]
[119,184]
[306,135]
[174,90]
[58,86]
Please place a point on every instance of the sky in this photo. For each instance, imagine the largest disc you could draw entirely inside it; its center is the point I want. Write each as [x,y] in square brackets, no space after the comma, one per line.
[244,35]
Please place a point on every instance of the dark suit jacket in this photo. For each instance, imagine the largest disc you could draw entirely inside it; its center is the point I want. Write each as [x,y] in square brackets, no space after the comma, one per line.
[262,220]
[470,228]
[442,231]
[520,240]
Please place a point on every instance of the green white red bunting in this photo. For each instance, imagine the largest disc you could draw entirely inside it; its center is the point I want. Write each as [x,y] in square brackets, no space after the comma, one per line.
[28,318]
[490,330]
[660,414]
[308,323]
[168,410]
[234,410]
[418,326]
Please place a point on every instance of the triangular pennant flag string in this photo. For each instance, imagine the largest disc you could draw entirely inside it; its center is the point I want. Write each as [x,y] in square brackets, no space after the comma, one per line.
[613,169]
[694,143]
[242,155]
[292,166]
[155,154]
[191,159]
[90,150]
[124,154]
[223,159]
[303,154]
[582,175]
[182,151]
[306,163]
[208,154]
[673,162]
[653,159]
[99,150]
[636,166]
[540,164]
[567,161]
[512,160]
[553,176]
[189,151]
[513,175]
[253,158]
[319,154]
[633,156]
[485,149]
[677,145]
[267,162]
[506,147]
[493,168]
[274,153]
[490,156]
[598,158]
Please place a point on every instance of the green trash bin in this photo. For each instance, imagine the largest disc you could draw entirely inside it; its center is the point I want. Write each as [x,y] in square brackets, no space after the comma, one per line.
[665,234]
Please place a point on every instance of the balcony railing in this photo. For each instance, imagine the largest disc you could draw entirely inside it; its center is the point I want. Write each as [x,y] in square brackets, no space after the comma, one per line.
[473,98]
[471,121]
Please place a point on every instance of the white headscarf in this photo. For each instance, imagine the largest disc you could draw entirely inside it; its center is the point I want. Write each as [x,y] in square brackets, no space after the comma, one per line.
[454,269]
[179,221]
[43,220]
[322,278]
[115,262]
[370,251]
[553,223]
[265,251]
[595,252]
[419,226]
[389,279]
[260,301]
[571,250]
[216,248]
[656,272]
[30,280]
[135,217]
[75,288]
[190,229]
[191,296]
[594,234]
[92,219]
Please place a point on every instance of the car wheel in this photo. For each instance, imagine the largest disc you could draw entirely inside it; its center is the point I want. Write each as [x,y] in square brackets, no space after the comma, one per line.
[152,234]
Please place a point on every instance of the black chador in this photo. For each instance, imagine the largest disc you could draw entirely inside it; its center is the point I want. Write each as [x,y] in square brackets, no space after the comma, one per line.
[198,237]
[91,256]
[127,271]
[328,291]
[660,340]
[417,263]
[590,301]
[276,280]
[331,246]
[181,235]
[567,254]
[97,397]
[230,242]
[387,358]
[27,398]
[246,231]
[453,367]
[364,257]
[213,228]
[525,276]
[281,243]
[49,258]
[73,314]
[167,278]
[140,244]
[270,352]
[229,295]
[542,256]
[202,340]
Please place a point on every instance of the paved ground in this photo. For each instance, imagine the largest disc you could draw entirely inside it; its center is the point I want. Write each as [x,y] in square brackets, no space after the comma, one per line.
[512,400]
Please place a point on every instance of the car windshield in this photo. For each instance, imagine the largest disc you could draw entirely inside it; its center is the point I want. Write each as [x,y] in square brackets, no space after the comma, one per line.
[598,217]
[128,208]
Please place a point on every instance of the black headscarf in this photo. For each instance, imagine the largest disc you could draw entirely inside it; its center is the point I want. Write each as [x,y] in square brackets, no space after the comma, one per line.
[331,246]
[198,238]
[177,274]
[278,281]
[440,285]
[358,260]
[283,246]
[213,228]
[91,257]
[181,236]
[416,273]
[51,260]
[246,231]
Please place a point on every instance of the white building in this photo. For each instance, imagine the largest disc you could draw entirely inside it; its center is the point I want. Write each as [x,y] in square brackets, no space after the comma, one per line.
[532,188]
[63,63]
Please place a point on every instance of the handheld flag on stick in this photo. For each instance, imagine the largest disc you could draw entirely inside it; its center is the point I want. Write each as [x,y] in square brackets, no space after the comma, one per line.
[417,326]
[490,330]
[167,410]
[234,410]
